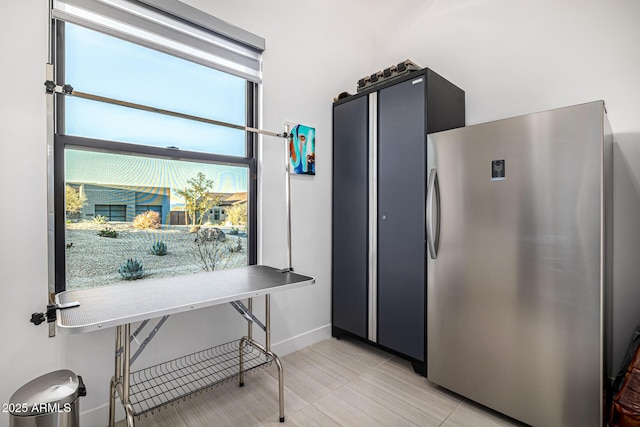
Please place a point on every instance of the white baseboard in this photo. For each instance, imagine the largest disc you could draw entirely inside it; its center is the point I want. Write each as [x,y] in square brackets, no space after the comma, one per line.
[99,415]
[301,341]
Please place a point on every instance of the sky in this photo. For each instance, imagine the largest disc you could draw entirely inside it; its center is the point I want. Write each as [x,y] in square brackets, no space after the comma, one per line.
[103,65]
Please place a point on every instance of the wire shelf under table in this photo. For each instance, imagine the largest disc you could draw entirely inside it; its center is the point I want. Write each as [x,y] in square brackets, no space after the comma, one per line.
[171,381]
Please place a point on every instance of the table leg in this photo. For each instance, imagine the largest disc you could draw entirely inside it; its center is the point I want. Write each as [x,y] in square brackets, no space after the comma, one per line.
[280,387]
[126,365]
[267,315]
[120,381]
[267,321]
[241,376]
[250,324]
[249,338]
[114,380]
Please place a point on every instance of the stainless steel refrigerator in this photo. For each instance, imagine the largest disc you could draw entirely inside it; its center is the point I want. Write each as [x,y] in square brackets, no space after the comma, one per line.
[518,236]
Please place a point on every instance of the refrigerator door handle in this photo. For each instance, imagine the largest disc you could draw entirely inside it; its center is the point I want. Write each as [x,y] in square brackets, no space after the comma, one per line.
[433,233]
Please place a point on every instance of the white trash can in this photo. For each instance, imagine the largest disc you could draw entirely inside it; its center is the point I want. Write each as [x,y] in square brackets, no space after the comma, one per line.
[50,400]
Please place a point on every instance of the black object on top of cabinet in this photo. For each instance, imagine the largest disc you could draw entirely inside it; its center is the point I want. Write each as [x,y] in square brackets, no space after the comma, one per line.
[379,193]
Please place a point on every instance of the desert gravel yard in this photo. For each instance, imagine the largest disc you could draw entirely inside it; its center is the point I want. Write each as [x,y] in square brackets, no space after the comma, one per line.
[93,260]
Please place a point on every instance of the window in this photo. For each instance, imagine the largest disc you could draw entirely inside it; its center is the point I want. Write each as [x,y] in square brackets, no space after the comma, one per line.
[142,185]
[111,212]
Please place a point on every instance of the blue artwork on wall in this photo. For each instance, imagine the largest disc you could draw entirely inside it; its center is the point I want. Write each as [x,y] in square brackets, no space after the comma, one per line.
[302,150]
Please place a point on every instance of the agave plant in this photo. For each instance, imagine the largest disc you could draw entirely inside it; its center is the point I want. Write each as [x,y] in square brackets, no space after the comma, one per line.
[131,270]
[159,248]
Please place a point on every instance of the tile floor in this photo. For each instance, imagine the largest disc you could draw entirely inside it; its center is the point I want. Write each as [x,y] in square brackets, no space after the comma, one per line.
[331,383]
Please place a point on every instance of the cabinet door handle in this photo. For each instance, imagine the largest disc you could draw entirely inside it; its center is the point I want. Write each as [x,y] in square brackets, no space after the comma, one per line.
[433,230]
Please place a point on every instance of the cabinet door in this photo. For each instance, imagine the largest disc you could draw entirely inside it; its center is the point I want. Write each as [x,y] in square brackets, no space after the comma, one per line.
[350,216]
[401,221]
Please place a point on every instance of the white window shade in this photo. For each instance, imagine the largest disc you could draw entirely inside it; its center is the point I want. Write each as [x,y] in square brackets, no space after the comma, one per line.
[171,27]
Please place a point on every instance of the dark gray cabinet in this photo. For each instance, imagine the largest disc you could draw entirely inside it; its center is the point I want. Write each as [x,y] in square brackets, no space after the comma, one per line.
[379,192]
[401,207]
[350,215]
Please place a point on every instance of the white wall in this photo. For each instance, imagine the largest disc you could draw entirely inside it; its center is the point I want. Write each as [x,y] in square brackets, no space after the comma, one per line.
[23,254]
[510,57]
[518,57]
[312,53]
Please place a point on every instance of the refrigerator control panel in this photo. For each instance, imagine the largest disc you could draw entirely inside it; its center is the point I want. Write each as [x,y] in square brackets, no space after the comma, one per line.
[497,170]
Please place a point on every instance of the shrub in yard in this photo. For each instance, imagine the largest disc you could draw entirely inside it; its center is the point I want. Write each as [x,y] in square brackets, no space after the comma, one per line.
[131,270]
[147,220]
[159,248]
[108,232]
[235,245]
[234,231]
[99,219]
[211,233]
[210,252]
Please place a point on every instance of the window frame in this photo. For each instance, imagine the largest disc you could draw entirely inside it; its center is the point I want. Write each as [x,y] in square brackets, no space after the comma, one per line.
[61,141]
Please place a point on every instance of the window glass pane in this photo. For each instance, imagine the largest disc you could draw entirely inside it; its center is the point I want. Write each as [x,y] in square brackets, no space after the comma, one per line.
[173,217]
[98,120]
[103,65]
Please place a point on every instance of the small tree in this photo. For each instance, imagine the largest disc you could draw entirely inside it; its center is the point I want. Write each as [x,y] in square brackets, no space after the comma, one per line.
[237,214]
[74,200]
[197,198]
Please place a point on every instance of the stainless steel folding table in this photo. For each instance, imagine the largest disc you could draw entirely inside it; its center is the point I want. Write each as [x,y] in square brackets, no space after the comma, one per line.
[121,305]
